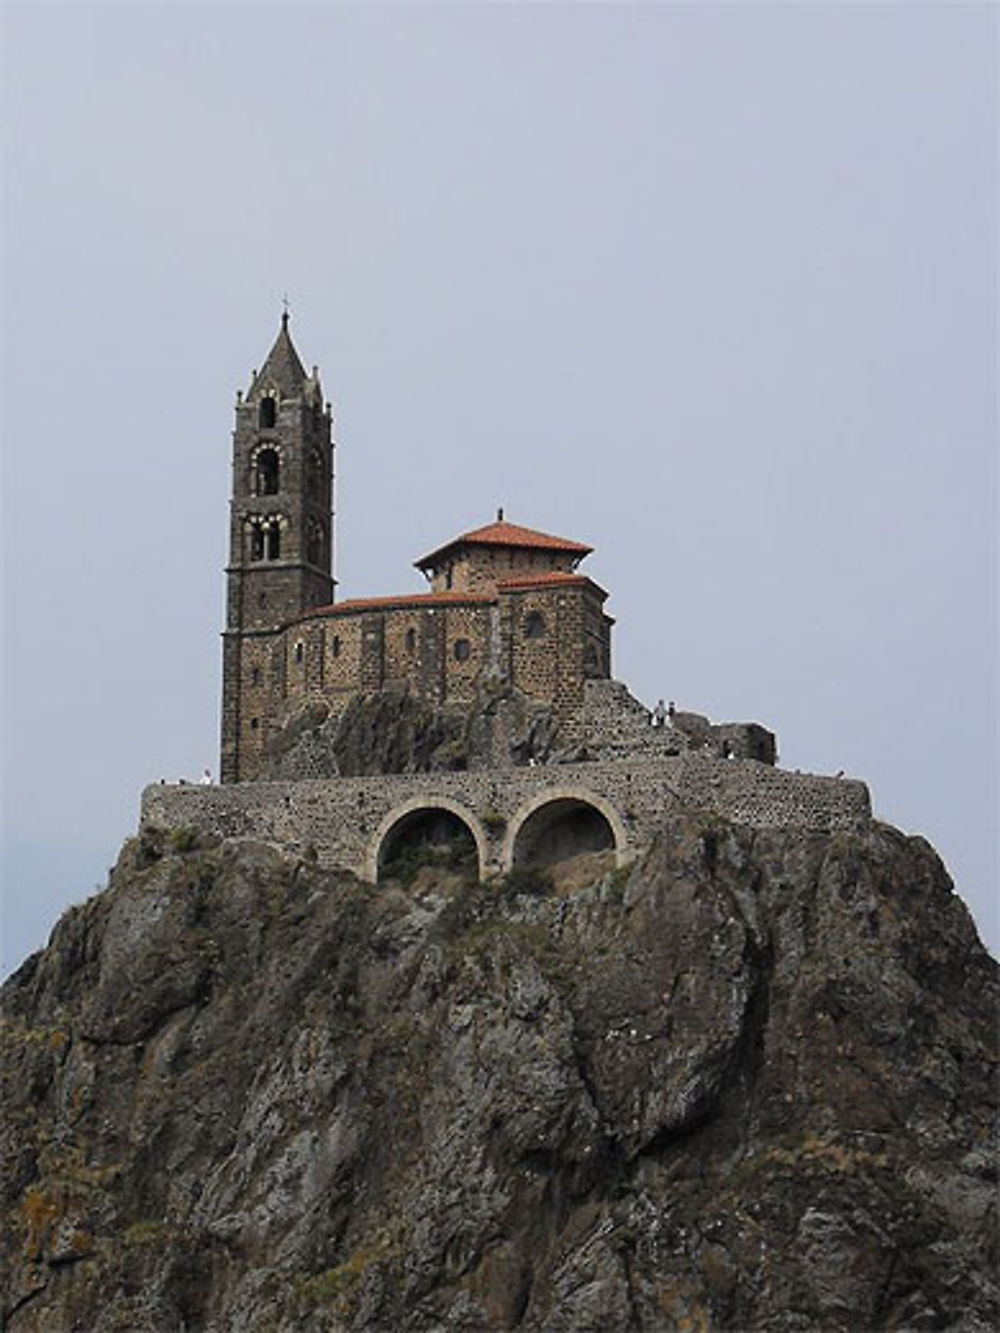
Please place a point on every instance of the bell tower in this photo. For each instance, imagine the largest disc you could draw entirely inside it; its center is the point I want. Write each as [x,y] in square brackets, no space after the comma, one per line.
[280,527]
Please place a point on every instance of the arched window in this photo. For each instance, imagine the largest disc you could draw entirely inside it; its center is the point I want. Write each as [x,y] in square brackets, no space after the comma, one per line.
[462,650]
[267,472]
[411,641]
[268,412]
[272,544]
[300,651]
[534,625]
[256,542]
[335,646]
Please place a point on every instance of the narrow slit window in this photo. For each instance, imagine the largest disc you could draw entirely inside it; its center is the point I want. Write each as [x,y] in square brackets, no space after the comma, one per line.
[314,482]
[268,412]
[316,543]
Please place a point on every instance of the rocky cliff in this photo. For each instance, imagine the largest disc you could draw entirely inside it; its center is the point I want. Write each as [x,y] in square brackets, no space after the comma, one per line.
[393,731]
[747,1085]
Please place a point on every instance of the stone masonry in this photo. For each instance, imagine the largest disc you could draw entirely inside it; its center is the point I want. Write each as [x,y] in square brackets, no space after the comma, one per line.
[506,605]
[346,821]
[507,616]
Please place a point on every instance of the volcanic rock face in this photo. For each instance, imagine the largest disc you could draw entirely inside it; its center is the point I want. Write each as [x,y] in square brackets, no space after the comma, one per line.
[747,1085]
[392,731]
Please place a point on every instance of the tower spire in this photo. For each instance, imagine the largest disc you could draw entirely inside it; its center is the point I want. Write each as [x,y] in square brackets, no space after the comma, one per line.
[282,371]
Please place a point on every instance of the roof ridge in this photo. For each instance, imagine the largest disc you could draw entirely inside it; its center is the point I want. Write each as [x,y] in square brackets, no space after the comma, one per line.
[502,533]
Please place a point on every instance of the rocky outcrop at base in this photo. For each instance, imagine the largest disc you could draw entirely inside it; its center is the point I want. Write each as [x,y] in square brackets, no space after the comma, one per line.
[393,731]
[746,1085]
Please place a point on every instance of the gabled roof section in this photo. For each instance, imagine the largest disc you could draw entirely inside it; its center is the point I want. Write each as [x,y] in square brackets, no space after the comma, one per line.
[282,370]
[505,534]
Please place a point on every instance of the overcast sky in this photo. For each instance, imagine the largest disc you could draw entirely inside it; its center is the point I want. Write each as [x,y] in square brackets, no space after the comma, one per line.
[710,287]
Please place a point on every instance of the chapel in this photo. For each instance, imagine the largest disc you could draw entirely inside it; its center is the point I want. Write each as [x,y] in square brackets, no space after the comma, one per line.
[506,607]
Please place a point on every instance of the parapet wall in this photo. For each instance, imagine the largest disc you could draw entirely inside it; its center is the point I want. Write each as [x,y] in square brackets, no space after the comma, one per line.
[346,820]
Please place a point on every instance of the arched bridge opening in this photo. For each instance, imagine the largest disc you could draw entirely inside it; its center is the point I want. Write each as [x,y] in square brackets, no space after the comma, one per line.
[423,833]
[556,827]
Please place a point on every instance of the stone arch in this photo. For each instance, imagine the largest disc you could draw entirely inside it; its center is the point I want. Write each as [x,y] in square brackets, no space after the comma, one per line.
[416,806]
[549,808]
[266,461]
[262,534]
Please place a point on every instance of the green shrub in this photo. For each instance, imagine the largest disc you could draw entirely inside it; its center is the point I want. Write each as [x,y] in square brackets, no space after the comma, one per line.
[183,839]
[459,855]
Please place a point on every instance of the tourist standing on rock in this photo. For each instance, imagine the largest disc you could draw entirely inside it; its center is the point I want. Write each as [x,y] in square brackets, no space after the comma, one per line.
[659,714]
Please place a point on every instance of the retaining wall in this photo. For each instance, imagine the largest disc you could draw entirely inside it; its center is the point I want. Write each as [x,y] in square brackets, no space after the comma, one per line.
[345,820]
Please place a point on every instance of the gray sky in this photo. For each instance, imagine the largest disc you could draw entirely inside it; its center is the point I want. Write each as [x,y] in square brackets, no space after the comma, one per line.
[712,288]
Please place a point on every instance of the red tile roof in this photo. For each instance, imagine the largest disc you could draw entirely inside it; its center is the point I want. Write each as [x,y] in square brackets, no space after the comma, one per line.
[420,600]
[502,533]
[416,599]
[558,578]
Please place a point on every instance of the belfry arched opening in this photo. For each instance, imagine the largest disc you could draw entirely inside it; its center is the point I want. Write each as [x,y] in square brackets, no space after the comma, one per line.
[558,830]
[429,836]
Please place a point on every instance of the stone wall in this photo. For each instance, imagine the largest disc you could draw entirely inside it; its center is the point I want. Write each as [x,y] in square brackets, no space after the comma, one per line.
[615,725]
[479,568]
[442,653]
[345,820]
